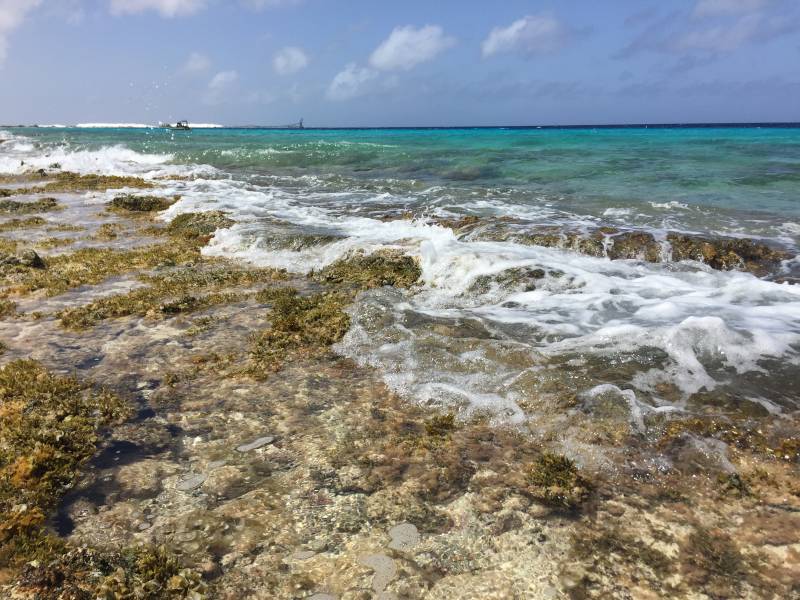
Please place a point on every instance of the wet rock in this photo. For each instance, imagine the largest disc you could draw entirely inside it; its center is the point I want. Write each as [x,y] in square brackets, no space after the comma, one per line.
[198,225]
[256,444]
[404,537]
[522,279]
[134,203]
[141,479]
[366,271]
[458,225]
[222,480]
[27,259]
[190,483]
[693,455]
[636,245]
[725,254]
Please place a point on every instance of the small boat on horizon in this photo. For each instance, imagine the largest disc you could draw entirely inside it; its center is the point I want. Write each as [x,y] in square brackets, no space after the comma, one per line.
[180,125]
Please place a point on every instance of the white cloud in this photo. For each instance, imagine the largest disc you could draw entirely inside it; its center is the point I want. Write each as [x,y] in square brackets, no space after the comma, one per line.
[407,47]
[350,82]
[167,8]
[223,79]
[220,87]
[730,37]
[12,14]
[262,4]
[713,8]
[289,60]
[197,63]
[530,35]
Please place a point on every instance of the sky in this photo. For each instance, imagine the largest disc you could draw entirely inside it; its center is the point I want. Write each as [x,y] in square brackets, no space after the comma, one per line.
[387,63]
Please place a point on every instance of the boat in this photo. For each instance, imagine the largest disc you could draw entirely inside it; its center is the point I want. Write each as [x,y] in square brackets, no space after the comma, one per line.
[180,125]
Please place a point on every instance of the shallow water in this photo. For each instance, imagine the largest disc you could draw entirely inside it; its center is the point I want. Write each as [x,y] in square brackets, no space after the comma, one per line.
[659,337]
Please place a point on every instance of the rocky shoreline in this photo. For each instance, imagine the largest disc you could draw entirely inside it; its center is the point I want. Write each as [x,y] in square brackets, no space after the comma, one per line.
[175,425]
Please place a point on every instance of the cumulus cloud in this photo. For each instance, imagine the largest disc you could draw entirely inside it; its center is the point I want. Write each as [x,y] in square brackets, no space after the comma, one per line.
[350,82]
[531,35]
[12,14]
[408,47]
[713,8]
[289,60]
[197,63]
[167,8]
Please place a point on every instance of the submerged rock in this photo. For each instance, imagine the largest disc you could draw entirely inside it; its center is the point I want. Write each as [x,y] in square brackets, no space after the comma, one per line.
[384,568]
[198,225]
[404,537]
[40,205]
[256,444]
[134,203]
[25,258]
[191,482]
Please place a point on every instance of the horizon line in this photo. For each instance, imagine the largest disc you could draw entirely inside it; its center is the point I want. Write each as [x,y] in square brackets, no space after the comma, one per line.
[655,125]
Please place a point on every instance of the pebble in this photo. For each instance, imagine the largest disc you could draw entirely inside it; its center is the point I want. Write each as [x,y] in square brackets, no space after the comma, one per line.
[404,537]
[303,554]
[190,483]
[384,568]
[322,597]
[144,526]
[255,444]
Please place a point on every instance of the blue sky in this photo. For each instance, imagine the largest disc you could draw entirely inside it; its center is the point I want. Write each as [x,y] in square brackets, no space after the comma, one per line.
[433,62]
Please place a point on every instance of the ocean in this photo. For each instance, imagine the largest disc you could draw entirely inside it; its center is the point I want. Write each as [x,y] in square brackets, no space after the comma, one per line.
[498,322]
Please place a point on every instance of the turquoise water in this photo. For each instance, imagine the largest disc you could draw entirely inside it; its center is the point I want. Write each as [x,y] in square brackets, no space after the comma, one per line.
[746,168]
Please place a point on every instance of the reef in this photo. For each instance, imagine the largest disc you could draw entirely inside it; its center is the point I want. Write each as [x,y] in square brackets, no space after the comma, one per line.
[17,207]
[230,452]
[719,253]
[145,204]
[198,226]
[365,271]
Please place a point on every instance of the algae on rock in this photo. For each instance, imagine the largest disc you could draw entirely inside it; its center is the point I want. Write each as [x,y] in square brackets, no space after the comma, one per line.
[134,203]
[50,427]
[304,325]
[40,205]
[365,271]
[198,225]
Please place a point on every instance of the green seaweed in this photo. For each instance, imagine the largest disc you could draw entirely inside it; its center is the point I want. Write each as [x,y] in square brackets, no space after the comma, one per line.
[27,223]
[72,182]
[301,325]
[199,225]
[90,266]
[40,205]
[51,426]
[555,480]
[143,573]
[7,308]
[711,559]
[169,294]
